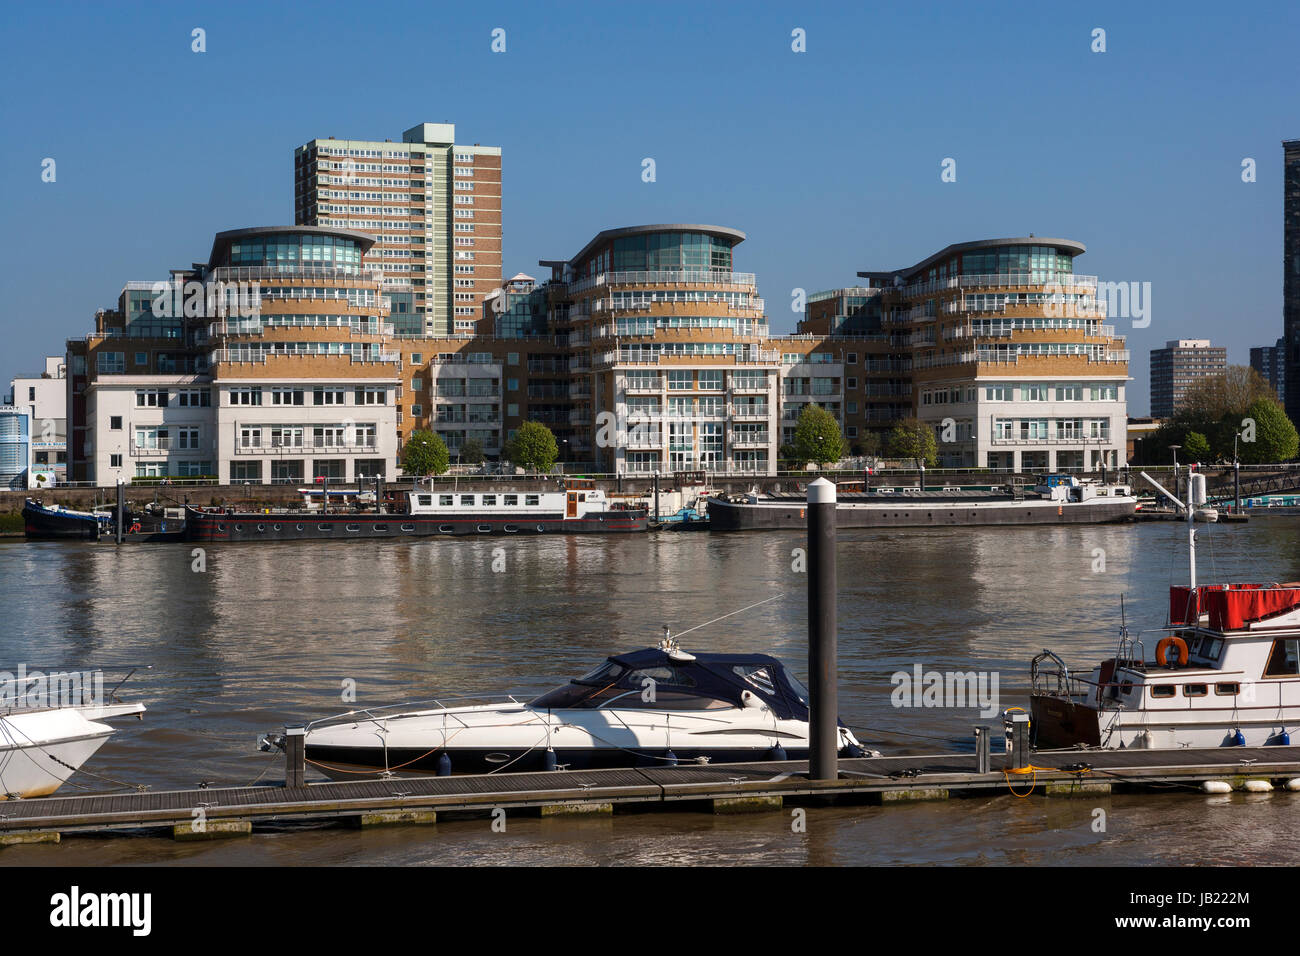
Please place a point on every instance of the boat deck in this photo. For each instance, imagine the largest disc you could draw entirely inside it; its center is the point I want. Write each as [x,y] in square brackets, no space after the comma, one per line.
[924,776]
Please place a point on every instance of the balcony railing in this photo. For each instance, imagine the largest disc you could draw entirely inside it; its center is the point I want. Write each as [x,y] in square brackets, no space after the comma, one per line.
[313,445]
[170,443]
[664,276]
[260,356]
[306,270]
[1062,280]
[749,439]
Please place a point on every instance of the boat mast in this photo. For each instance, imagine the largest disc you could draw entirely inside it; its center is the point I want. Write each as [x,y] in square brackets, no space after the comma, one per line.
[1191,529]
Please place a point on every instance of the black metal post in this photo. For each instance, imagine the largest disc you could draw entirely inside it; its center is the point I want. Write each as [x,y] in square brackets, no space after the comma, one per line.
[1236,487]
[121,509]
[823,734]
[656,492]
[295,756]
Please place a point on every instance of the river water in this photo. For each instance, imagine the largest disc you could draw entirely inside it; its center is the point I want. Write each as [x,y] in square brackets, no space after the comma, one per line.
[265,635]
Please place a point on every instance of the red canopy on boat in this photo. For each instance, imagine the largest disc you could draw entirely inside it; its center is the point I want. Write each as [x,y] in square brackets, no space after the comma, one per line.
[1231,606]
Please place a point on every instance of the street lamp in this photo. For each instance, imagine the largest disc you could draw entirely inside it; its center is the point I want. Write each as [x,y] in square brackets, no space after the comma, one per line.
[1174,449]
[1236,476]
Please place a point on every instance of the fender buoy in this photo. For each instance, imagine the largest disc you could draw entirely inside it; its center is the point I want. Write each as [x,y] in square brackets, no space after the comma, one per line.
[1163,647]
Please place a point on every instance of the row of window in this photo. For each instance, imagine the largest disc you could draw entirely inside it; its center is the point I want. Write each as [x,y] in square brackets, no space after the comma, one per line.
[321,395]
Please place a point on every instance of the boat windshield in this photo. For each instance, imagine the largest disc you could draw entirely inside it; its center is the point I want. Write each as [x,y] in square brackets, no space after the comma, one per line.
[662,687]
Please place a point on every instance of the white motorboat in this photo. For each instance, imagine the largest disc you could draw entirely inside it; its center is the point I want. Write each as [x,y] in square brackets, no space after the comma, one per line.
[653,707]
[1225,672]
[41,744]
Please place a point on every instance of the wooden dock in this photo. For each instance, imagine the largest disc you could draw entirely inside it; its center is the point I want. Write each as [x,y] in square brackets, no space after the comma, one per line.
[233,811]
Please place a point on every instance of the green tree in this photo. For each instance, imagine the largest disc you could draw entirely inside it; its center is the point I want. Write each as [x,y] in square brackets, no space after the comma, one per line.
[425,453]
[911,439]
[534,447]
[471,452]
[1275,436]
[817,436]
[1196,447]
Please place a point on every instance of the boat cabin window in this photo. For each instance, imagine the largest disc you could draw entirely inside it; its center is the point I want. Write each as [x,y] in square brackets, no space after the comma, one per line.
[467,500]
[757,675]
[582,497]
[510,501]
[1162,690]
[424,500]
[670,676]
[1228,689]
[1210,648]
[1195,690]
[446,501]
[1285,658]
[531,501]
[490,501]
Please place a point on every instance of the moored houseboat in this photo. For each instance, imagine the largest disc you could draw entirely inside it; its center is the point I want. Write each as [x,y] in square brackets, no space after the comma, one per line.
[1224,670]
[1056,499]
[55,521]
[578,508]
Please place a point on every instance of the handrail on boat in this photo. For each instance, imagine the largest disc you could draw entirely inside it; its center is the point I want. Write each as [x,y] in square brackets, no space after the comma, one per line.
[396,710]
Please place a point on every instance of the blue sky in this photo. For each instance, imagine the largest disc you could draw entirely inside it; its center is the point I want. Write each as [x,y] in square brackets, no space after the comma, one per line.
[829,159]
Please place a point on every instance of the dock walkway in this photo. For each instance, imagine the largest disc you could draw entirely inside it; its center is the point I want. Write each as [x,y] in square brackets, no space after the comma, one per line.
[724,787]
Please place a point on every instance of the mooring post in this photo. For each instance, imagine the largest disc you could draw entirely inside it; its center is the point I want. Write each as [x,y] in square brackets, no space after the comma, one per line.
[982,762]
[1017,724]
[1236,485]
[121,509]
[295,756]
[823,734]
[656,490]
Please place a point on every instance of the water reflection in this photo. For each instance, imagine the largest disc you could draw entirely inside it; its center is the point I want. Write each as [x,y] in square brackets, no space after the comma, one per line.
[269,634]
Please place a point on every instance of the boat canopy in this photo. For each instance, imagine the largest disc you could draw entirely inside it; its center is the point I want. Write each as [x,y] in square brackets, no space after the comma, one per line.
[706,682]
[1232,606]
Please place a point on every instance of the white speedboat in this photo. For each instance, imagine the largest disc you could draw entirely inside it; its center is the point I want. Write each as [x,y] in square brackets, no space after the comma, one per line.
[653,707]
[1224,670]
[42,746]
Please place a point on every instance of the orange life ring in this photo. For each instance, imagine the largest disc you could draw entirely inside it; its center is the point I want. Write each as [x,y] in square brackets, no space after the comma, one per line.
[1163,647]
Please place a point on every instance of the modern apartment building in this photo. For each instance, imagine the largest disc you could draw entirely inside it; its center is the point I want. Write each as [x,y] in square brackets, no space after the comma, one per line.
[1000,347]
[1177,367]
[1270,362]
[670,362]
[434,208]
[45,397]
[1291,273]
[270,362]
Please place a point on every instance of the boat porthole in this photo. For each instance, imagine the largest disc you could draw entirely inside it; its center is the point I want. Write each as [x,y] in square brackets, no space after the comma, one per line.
[299,527]
[541,527]
[496,758]
[408,527]
[354,527]
[239,527]
[511,528]
[445,528]
[484,528]
[261,528]
[322,527]
[275,527]
[380,527]
[220,526]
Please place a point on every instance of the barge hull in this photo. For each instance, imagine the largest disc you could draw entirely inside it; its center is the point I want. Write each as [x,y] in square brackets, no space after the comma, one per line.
[252,526]
[729,516]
